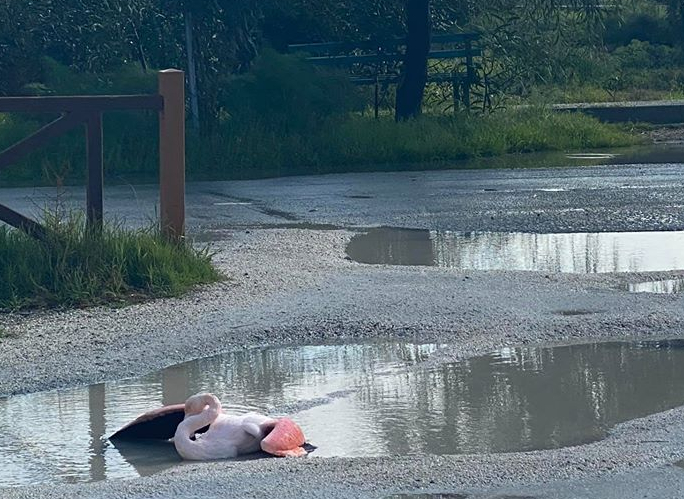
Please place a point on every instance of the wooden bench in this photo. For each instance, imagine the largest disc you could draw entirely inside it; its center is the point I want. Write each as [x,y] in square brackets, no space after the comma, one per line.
[375,62]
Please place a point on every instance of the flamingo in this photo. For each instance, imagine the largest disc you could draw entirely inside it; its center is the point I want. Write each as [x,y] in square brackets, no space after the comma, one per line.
[202,431]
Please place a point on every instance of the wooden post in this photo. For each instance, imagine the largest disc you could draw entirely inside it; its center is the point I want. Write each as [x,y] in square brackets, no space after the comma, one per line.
[456,83]
[94,201]
[172,154]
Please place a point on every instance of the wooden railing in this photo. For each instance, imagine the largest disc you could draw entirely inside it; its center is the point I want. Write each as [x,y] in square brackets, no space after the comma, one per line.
[372,62]
[88,110]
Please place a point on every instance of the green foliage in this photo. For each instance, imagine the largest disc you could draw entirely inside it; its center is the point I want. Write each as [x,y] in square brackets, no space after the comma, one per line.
[286,118]
[645,26]
[365,144]
[286,92]
[76,267]
[643,55]
[63,159]
[129,78]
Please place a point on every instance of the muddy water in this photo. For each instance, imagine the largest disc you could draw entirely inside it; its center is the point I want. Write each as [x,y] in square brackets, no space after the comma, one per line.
[354,400]
[583,253]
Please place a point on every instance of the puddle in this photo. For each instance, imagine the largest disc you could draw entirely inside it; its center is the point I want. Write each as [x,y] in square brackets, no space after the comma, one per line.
[591,155]
[582,253]
[433,495]
[354,400]
[662,153]
[449,495]
[665,286]
[570,313]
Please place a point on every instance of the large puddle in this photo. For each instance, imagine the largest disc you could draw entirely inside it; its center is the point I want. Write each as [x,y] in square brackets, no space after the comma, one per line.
[583,253]
[663,287]
[354,400]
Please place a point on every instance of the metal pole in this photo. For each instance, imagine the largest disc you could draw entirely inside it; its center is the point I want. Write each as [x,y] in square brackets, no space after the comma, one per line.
[172,154]
[94,198]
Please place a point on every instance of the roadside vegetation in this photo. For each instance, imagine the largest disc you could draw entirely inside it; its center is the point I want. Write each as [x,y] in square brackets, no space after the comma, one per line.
[262,112]
[286,118]
[74,267]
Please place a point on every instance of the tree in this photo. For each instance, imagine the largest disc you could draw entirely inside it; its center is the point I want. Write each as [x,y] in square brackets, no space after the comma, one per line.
[675,15]
[414,72]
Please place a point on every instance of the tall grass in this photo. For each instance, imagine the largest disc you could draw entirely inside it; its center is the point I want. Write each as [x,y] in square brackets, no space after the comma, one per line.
[253,149]
[287,118]
[77,267]
[357,143]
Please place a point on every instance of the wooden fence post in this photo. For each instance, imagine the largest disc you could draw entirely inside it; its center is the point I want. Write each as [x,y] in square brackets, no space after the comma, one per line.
[172,154]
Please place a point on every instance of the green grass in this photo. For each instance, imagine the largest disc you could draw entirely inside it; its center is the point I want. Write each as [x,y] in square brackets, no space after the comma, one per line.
[364,144]
[254,149]
[595,93]
[75,267]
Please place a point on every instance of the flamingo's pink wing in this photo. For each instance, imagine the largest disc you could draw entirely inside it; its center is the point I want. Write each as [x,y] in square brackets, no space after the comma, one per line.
[158,424]
[285,440]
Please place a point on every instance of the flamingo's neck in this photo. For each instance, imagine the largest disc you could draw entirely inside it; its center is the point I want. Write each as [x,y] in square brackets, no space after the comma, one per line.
[193,449]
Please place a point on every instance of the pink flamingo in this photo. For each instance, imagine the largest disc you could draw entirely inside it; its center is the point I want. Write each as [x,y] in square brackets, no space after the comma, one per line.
[202,431]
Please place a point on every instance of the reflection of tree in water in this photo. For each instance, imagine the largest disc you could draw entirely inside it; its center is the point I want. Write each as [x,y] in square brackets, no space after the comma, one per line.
[96,410]
[534,398]
[573,252]
[667,286]
[258,378]
[516,399]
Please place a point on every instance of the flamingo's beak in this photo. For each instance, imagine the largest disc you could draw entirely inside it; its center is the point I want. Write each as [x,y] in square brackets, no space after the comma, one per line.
[286,439]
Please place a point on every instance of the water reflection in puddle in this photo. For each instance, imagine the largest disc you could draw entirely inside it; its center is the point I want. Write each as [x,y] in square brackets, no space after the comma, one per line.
[590,155]
[583,253]
[354,400]
[426,495]
[666,286]
[449,495]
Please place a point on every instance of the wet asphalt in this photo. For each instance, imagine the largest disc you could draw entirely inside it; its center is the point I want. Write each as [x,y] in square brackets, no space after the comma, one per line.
[334,298]
[581,196]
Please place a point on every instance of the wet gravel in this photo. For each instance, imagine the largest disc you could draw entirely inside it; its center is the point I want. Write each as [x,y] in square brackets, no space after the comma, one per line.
[297,286]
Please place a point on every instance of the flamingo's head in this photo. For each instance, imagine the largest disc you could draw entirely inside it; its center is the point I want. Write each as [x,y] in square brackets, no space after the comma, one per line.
[285,438]
[197,403]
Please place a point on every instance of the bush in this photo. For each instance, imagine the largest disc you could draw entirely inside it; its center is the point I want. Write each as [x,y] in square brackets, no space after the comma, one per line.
[643,55]
[287,93]
[641,26]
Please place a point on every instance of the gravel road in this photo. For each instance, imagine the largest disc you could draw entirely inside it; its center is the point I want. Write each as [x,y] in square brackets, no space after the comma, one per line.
[282,244]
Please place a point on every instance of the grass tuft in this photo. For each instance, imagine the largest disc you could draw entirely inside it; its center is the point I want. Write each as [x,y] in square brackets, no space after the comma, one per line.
[77,268]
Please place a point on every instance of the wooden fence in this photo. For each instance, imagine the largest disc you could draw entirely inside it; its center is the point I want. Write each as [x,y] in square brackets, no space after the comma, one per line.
[88,110]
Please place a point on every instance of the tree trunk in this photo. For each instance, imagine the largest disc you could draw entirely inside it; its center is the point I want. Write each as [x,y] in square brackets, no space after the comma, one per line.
[414,74]
[192,73]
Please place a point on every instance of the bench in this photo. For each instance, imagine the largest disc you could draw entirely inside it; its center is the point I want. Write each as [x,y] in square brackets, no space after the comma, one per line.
[375,62]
